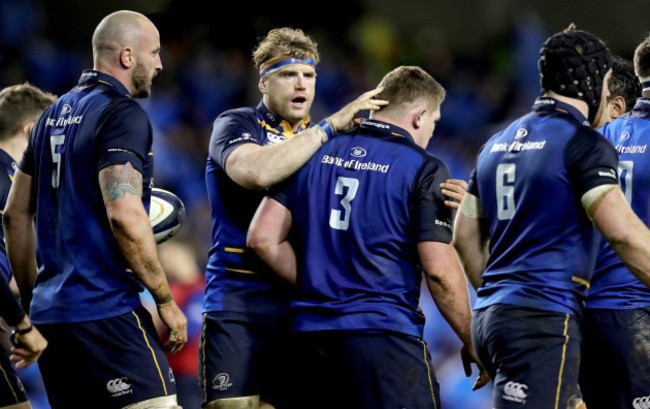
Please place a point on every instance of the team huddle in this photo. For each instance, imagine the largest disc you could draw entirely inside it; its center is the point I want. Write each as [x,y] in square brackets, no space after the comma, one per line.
[322,233]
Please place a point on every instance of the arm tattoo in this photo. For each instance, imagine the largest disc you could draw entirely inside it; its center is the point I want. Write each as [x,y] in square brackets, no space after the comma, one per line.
[118,180]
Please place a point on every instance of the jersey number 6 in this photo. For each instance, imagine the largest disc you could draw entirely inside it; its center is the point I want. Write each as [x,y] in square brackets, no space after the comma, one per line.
[505,191]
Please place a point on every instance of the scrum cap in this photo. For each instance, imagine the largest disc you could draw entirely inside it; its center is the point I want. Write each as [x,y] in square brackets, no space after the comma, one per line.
[573,63]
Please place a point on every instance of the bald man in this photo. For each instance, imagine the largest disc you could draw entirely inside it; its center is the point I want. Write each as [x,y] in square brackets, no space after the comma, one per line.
[85,179]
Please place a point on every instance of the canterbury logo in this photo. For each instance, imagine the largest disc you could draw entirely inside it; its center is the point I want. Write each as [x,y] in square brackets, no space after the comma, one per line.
[515,392]
[641,403]
[118,387]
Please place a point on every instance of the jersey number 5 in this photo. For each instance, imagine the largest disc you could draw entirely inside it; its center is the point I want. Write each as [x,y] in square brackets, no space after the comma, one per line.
[55,143]
[340,220]
[505,191]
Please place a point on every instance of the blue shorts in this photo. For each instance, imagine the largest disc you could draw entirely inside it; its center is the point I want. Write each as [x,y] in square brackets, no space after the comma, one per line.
[532,356]
[246,355]
[347,370]
[615,364]
[108,363]
[12,390]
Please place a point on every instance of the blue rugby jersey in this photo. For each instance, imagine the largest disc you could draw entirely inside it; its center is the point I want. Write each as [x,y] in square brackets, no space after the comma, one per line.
[359,207]
[613,286]
[7,168]
[236,280]
[530,178]
[83,275]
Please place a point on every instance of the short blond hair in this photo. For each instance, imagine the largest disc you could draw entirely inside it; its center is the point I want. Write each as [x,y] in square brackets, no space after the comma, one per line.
[407,84]
[20,105]
[285,42]
[642,59]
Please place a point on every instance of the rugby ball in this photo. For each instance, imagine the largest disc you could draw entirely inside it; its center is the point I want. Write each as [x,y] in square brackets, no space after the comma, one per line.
[166,214]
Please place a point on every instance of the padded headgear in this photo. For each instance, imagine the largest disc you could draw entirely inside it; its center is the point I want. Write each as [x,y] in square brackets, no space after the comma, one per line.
[573,63]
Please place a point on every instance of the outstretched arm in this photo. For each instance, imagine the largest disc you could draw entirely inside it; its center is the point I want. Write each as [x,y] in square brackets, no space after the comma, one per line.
[258,167]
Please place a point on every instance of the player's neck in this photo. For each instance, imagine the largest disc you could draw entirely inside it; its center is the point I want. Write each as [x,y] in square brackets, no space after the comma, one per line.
[121,75]
[14,146]
[578,104]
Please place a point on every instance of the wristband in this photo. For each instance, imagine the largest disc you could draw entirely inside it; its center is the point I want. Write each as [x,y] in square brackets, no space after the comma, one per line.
[24,331]
[17,332]
[321,133]
[165,300]
[327,127]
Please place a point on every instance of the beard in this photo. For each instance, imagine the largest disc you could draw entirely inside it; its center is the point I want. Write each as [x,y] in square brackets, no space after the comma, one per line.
[141,81]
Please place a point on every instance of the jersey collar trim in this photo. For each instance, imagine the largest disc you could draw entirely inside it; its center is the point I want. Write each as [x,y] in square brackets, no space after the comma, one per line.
[276,121]
[548,104]
[93,76]
[642,104]
[384,128]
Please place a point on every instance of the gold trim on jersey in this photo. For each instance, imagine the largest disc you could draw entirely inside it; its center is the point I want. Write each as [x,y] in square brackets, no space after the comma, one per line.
[580,281]
[9,384]
[287,130]
[236,270]
[234,250]
[426,362]
[203,365]
[153,354]
[559,378]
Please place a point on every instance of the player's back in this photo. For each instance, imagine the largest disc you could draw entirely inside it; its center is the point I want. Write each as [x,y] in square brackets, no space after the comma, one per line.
[83,274]
[530,180]
[353,209]
[613,286]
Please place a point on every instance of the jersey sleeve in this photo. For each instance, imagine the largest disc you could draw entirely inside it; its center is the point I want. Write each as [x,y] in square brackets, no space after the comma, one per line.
[125,135]
[10,309]
[590,160]
[472,186]
[230,130]
[27,164]
[432,218]
[280,192]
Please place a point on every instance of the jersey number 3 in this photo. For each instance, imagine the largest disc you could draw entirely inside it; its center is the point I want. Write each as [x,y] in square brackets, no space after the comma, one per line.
[340,220]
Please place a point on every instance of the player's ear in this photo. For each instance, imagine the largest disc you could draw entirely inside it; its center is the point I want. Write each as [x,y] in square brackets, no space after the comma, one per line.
[618,107]
[418,117]
[127,58]
[27,129]
[262,85]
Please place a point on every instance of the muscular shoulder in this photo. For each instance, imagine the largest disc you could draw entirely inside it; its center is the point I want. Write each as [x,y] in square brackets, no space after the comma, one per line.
[125,108]
[588,140]
[244,116]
